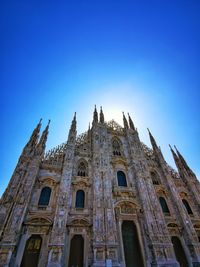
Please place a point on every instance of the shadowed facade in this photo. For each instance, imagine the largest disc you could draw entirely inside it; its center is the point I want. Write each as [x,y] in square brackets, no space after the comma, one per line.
[103,198]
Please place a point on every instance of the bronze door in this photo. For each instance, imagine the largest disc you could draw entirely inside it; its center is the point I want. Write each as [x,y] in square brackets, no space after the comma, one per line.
[132,251]
[32,251]
[76,251]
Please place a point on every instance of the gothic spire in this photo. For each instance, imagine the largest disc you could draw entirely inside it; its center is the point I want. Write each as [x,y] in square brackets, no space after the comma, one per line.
[72,131]
[34,137]
[89,133]
[43,139]
[125,121]
[95,115]
[131,122]
[176,158]
[153,142]
[73,125]
[101,115]
[181,158]
[183,161]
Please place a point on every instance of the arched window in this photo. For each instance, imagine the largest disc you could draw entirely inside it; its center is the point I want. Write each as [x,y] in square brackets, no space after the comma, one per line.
[163,204]
[121,178]
[187,206]
[116,148]
[155,178]
[82,169]
[45,196]
[80,199]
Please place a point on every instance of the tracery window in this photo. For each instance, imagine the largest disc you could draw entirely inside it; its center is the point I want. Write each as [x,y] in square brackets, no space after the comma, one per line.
[116,148]
[155,178]
[44,196]
[80,199]
[163,204]
[187,206]
[121,178]
[82,169]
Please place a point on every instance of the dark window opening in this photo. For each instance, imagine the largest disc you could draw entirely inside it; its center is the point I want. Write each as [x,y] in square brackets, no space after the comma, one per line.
[187,206]
[80,199]
[45,196]
[163,204]
[121,178]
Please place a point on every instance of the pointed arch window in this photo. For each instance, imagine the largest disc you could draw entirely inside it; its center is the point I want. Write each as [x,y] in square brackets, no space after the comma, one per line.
[45,196]
[155,178]
[121,178]
[82,169]
[116,148]
[187,206]
[80,199]
[163,204]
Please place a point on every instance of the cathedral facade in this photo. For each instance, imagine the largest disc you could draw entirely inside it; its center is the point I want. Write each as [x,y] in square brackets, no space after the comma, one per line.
[103,198]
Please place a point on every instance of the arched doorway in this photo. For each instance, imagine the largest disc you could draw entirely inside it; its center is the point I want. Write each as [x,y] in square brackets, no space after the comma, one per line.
[32,251]
[179,252]
[76,251]
[132,250]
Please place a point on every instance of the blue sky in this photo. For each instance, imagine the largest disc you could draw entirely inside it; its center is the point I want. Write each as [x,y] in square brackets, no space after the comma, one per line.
[140,57]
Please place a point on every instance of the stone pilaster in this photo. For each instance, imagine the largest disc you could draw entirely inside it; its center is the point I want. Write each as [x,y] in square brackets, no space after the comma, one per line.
[104,225]
[155,228]
[57,241]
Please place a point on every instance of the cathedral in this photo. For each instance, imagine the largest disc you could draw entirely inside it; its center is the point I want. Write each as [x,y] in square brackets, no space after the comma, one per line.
[101,199]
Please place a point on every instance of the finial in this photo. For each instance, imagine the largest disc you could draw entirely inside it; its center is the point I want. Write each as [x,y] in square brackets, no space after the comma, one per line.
[49,122]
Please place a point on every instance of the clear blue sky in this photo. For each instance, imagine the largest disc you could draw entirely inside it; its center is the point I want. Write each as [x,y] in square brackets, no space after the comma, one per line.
[141,57]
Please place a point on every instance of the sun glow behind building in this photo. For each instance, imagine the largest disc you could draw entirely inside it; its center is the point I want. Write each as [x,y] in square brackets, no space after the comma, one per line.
[59,58]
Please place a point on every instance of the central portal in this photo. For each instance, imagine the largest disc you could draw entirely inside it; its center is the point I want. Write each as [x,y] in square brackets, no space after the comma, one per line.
[132,251]
[76,251]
